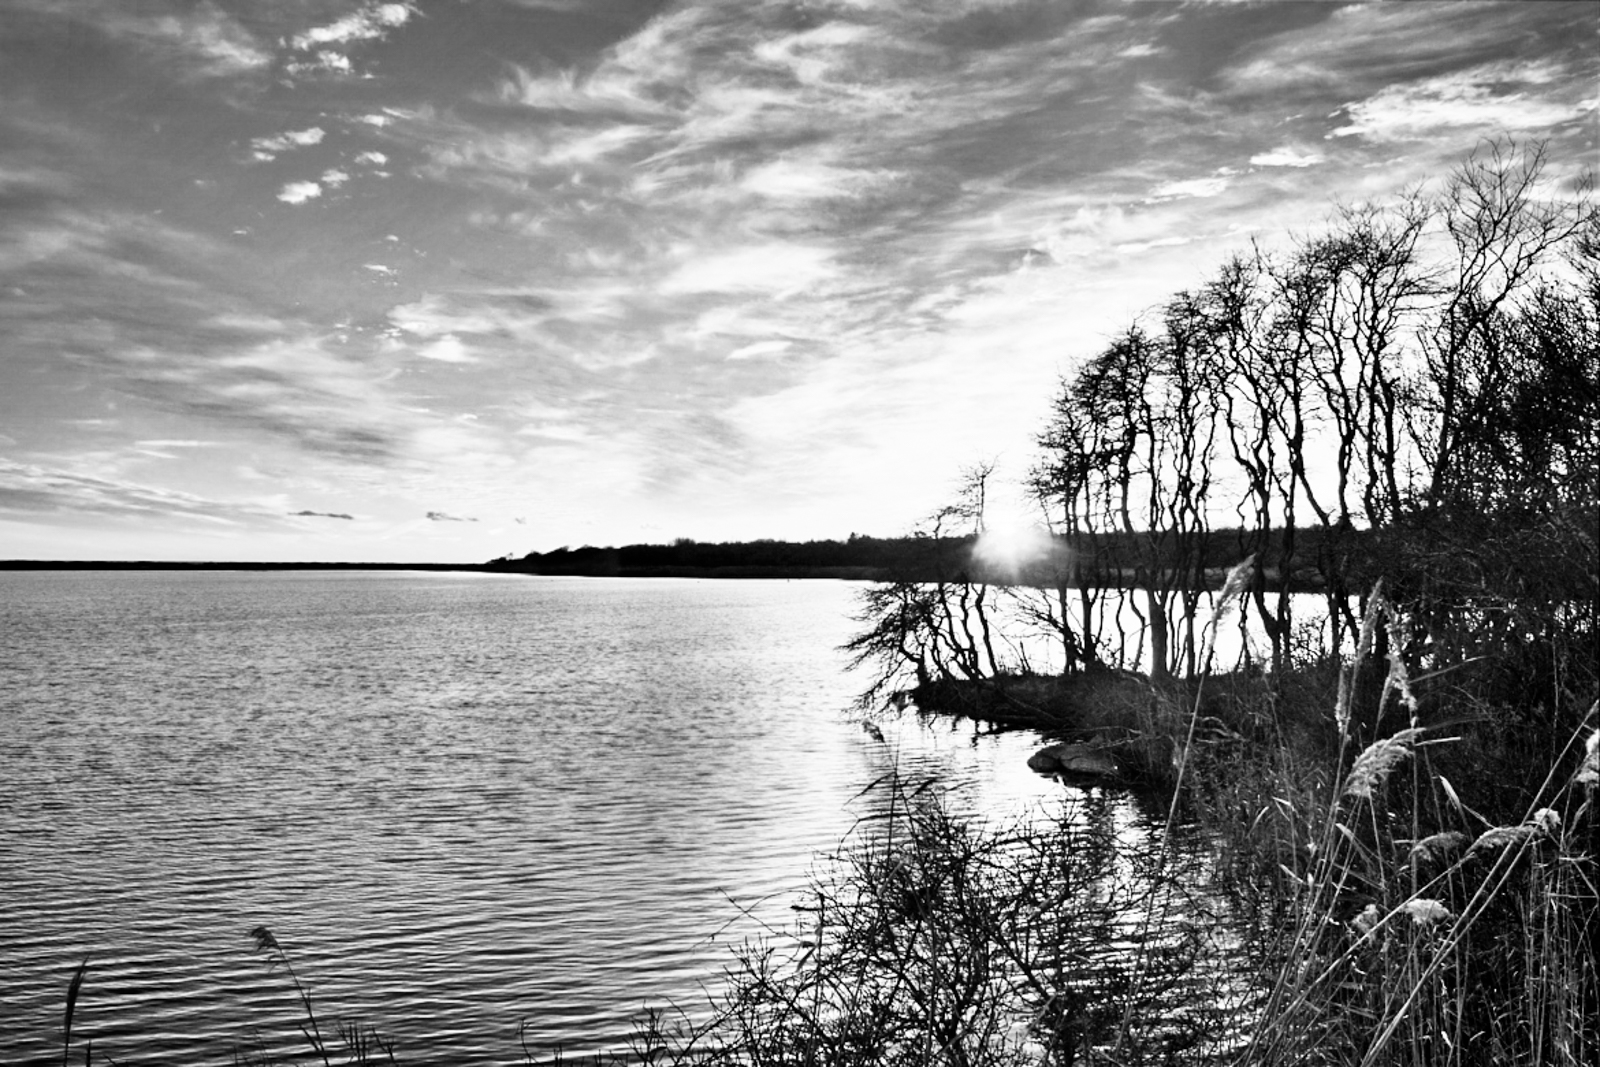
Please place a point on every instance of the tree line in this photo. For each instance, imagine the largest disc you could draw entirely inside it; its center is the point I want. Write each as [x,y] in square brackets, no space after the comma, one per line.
[859,557]
[1409,395]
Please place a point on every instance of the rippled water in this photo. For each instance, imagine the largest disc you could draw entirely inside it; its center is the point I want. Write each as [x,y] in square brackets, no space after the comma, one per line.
[461,802]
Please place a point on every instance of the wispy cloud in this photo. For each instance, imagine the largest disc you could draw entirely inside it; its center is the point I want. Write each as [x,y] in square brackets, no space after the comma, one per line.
[191,40]
[778,268]
[760,348]
[439,516]
[734,261]
[446,349]
[1498,96]
[219,42]
[1192,187]
[326,50]
[28,488]
[297,193]
[370,22]
[265,149]
[1286,157]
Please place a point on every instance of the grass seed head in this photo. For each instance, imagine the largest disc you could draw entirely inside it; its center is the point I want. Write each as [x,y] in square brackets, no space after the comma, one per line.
[1425,912]
[1436,847]
[1503,836]
[1372,768]
[1588,774]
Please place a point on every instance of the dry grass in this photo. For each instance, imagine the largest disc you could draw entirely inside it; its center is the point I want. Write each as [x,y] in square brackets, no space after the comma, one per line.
[1401,944]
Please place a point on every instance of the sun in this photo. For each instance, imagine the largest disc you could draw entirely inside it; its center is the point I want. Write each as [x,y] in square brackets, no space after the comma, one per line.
[1010,548]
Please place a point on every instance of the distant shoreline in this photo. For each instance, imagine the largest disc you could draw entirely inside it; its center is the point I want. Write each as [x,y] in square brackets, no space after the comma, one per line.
[161,565]
[1118,560]
[732,572]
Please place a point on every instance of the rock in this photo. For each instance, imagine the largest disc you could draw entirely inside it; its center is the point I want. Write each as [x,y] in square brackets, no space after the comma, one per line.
[1044,761]
[1078,760]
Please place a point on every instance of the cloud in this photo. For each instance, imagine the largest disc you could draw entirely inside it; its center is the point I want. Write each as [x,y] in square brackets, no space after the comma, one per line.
[219,42]
[802,179]
[606,90]
[371,22]
[1498,97]
[197,40]
[439,516]
[760,348]
[325,51]
[34,490]
[776,268]
[1135,247]
[810,178]
[163,449]
[1285,157]
[292,389]
[299,192]
[553,5]
[433,316]
[1369,44]
[265,149]
[132,303]
[446,349]
[322,515]
[483,317]
[324,61]
[734,252]
[1202,188]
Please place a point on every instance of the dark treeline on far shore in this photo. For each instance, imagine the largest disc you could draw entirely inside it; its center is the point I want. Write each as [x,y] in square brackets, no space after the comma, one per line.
[861,558]
[1111,562]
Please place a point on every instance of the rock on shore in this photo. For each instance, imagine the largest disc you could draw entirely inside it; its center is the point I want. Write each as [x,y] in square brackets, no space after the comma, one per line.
[1078,760]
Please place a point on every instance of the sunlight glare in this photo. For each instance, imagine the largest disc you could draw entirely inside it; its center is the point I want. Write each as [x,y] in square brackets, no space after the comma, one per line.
[1010,548]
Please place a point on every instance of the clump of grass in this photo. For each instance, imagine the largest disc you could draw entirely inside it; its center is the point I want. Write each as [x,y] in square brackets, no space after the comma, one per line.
[355,1045]
[1398,942]
[358,1045]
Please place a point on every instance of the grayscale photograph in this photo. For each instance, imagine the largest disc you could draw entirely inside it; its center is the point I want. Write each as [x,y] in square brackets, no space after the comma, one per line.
[799,533]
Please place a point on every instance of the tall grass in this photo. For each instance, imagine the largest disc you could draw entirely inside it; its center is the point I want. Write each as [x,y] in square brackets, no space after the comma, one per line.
[1412,930]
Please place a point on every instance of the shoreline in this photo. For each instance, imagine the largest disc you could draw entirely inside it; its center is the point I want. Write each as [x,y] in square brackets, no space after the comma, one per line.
[181,565]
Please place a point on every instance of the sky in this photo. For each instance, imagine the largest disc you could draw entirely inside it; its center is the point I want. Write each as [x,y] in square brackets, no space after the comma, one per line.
[453,279]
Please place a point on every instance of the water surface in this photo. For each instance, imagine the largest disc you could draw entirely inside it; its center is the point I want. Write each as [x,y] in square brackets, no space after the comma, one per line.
[461,802]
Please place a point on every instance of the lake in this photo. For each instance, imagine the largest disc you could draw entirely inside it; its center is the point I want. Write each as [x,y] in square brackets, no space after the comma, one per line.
[463,803]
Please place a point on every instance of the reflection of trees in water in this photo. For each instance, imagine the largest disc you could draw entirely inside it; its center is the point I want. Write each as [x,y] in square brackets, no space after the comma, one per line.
[931,938]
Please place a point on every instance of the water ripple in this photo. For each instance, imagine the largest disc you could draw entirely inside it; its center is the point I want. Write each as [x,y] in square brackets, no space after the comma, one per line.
[460,802]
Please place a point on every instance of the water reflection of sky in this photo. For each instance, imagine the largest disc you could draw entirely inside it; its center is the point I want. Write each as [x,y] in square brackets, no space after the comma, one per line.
[463,803]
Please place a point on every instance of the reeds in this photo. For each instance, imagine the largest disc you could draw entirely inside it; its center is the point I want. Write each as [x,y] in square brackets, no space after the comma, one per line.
[357,1045]
[1405,945]
[74,987]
